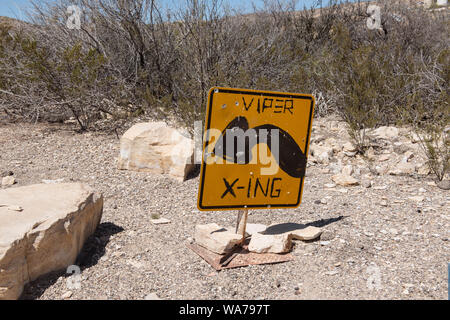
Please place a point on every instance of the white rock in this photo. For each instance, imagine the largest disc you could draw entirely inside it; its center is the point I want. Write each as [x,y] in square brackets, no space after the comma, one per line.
[384,157]
[157,148]
[322,154]
[308,233]
[152,296]
[330,185]
[403,168]
[67,295]
[278,243]
[416,198]
[424,170]
[370,153]
[348,147]
[366,183]
[160,221]
[47,235]
[8,181]
[215,238]
[344,180]
[347,170]
[408,156]
[385,133]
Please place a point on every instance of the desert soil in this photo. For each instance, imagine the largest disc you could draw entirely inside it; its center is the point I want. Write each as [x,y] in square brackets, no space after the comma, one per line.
[390,241]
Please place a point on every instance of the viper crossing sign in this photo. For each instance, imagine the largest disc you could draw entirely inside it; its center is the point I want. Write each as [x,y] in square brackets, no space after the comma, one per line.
[255,149]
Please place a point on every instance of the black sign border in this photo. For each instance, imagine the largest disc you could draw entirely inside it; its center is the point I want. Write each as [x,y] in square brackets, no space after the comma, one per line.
[207,127]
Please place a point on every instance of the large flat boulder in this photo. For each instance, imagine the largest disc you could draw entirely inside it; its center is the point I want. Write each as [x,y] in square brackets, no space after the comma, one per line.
[155,147]
[46,234]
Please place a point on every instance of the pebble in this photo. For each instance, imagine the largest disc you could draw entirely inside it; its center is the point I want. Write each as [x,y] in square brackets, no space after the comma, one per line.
[152,296]
[366,183]
[444,184]
[327,235]
[67,295]
[331,273]
[8,181]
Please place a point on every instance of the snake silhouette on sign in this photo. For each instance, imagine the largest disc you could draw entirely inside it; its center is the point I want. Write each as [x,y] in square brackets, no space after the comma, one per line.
[290,157]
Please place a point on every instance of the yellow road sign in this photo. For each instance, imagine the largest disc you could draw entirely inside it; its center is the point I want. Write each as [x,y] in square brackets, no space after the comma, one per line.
[255,149]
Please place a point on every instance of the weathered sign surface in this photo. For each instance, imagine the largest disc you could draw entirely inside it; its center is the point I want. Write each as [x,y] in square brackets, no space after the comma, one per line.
[255,149]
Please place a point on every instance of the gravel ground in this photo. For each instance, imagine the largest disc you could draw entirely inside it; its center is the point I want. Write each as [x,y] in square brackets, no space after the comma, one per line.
[370,234]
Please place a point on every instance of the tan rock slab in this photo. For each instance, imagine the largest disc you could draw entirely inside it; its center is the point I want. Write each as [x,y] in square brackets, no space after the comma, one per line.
[155,147]
[268,243]
[47,235]
[344,180]
[215,238]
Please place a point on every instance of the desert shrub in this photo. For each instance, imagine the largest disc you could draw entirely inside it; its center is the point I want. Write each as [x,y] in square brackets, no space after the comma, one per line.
[132,59]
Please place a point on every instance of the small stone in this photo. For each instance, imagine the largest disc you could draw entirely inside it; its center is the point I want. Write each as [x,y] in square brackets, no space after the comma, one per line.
[366,183]
[344,180]
[403,168]
[370,154]
[7,173]
[393,231]
[152,296]
[384,157]
[416,198]
[15,208]
[324,243]
[349,147]
[331,273]
[444,184]
[160,221]
[383,203]
[327,235]
[8,181]
[385,133]
[400,148]
[330,185]
[424,170]
[67,295]
[408,156]
[347,170]
[350,154]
